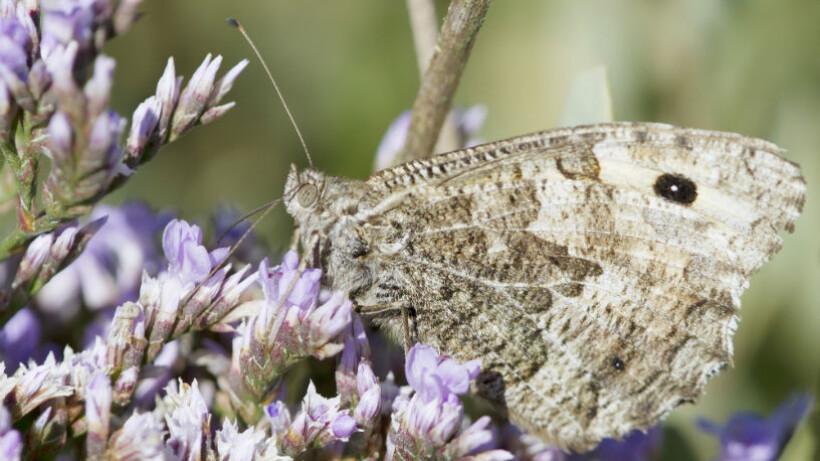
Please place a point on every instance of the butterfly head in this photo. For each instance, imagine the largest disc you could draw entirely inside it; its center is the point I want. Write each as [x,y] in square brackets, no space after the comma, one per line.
[303,194]
[316,200]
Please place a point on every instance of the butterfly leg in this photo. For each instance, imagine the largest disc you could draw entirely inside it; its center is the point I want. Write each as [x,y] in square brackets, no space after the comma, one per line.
[390,310]
[405,320]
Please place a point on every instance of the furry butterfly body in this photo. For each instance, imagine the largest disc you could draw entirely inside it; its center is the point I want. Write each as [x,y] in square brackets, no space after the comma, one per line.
[595,270]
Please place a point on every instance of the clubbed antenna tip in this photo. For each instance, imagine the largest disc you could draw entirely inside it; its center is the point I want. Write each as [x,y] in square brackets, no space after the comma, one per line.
[234,23]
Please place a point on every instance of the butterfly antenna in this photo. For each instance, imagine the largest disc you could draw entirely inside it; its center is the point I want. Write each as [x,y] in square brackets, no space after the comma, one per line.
[267,208]
[233,22]
[239,221]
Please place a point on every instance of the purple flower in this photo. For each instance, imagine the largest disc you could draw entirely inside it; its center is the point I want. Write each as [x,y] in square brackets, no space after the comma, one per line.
[319,423]
[142,437]
[202,95]
[188,260]
[16,47]
[172,307]
[279,418]
[426,425]
[290,325]
[109,271]
[355,350]
[434,377]
[11,443]
[102,151]
[637,446]
[187,419]
[67,21]
[98,88]
[370,396]
[20,339]
[232,445]
[751,437]
[468,122]
[98,397]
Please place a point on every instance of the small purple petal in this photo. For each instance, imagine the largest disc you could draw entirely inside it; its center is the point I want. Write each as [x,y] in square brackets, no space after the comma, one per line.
[472,119]
[226,82]
[65,22]
[98,88]
[103,149]
[20,339]
[187,258]
[343,427]
[279,417]
[637,446]
[453,376]
[215,112]
[11,446]
[392,142]
[748,436]
[435,378]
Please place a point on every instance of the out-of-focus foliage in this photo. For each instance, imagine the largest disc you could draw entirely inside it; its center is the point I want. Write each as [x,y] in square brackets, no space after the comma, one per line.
[348,69]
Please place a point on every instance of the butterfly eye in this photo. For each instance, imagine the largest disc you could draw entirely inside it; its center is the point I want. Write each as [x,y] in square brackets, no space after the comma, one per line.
[676,188]
[307,195]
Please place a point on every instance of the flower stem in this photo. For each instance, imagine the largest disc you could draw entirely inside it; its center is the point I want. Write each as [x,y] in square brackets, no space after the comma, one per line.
[435,97]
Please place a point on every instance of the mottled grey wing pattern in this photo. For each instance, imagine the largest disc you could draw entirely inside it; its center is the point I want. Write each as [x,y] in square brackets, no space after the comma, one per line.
[596,297]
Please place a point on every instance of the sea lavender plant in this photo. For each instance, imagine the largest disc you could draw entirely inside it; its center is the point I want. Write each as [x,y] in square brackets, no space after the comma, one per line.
[54,90]
[426,425]
[290,325]
[110,269]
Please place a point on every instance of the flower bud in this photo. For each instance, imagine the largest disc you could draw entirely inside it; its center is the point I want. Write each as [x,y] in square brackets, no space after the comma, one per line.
[97,414]
[98,87]
[167,94]
[143,125]
[125,385]
[32,262]
[61,140]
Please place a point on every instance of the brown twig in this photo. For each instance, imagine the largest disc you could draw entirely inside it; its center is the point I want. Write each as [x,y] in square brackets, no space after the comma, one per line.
[435,97]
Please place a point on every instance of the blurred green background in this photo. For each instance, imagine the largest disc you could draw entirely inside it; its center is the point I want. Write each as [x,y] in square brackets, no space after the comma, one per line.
[348,68]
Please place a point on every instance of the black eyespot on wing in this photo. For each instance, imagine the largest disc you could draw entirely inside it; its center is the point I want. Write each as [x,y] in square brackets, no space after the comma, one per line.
[617,363]
[676,188]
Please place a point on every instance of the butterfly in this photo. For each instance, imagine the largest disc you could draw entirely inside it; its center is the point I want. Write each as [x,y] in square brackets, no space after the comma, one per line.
[596,271]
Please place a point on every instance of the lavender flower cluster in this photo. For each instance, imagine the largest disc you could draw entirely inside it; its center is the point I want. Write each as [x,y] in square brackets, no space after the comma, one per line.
[55,85]
[160,347]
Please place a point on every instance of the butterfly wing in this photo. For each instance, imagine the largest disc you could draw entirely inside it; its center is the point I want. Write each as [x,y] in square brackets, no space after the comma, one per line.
[596,271]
